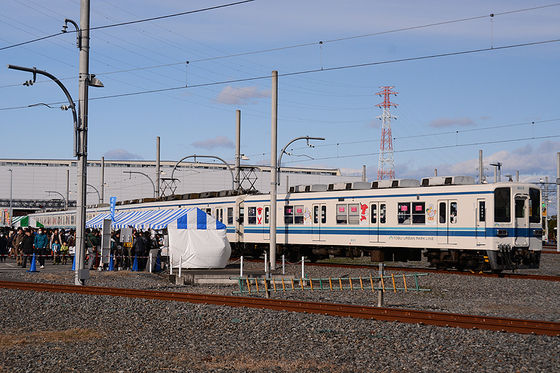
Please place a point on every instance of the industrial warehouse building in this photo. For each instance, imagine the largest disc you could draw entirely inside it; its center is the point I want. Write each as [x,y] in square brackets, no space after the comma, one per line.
[37,184]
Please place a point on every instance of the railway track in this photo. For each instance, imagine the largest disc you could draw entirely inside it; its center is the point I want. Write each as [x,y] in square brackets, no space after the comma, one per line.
[364,312]
[444,271]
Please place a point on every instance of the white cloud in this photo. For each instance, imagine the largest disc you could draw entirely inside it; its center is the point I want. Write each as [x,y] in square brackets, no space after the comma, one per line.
[120,154]
[448,122]
[216,142]
[532,162]
[241,95]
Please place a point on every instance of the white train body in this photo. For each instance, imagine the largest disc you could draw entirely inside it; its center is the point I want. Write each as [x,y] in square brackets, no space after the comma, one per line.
[455,222]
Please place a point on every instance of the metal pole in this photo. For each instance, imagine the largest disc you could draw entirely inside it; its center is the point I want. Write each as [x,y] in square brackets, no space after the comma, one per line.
[102,179]
[241,267]
[557,199]
[273,168]
[546,204]
[67,189]
[11,218]
[480,167]
[364,178]
[380,291]
[81,273]
[283,264]
[237,149]
[302,267]
[517,176]
[435,172]
[158,166]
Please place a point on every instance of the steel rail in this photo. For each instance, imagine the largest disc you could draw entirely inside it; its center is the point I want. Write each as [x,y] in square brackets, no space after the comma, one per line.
[549,328]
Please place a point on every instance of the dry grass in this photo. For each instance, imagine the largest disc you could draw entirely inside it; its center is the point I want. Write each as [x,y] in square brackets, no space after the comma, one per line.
[42,337]
[246,363]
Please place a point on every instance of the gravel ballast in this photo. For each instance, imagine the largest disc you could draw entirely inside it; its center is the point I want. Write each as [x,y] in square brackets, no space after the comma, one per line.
[72,332]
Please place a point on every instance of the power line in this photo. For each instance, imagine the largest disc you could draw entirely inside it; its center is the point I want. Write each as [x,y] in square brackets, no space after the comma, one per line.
[131,22]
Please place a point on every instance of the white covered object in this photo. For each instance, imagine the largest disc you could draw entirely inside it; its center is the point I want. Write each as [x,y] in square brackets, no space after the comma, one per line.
[197,240]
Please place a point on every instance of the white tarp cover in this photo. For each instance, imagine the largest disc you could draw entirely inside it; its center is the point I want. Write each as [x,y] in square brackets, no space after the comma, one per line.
[196,239]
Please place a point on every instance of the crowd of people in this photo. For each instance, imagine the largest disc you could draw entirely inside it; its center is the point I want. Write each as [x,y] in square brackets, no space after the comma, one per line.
[59,246]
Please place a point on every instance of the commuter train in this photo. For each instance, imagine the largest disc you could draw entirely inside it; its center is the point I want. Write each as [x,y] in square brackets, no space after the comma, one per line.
[451,220]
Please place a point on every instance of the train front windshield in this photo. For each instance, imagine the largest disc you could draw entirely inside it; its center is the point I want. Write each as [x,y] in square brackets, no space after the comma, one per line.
[503,203]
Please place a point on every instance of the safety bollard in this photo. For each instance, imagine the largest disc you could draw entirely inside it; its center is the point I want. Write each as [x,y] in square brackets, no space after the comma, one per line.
[157,268]
[111,265]
[135,264]
[33,267]
[381,285]
[150,260]
[74,263]
[241,267]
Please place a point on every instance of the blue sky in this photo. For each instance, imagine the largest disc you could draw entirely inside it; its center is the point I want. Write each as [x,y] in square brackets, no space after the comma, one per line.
[504,101]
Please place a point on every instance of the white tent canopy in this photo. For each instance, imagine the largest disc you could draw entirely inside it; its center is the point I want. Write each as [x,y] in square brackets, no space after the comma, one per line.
[196,239]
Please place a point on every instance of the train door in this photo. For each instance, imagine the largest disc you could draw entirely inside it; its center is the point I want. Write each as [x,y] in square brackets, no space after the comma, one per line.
[377,218]
[521,220]
[480,212]
[266,222]
[447,221]
[319,220]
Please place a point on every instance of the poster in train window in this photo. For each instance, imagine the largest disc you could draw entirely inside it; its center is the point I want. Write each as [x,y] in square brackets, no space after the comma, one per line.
[403,213]
[298,216]
[354,213]
[341,214]
[418,213]
[288,215]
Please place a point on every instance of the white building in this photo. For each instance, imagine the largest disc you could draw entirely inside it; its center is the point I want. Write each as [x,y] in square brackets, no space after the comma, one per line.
[51,183]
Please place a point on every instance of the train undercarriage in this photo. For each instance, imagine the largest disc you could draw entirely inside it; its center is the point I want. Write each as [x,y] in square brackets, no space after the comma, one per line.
[505,258]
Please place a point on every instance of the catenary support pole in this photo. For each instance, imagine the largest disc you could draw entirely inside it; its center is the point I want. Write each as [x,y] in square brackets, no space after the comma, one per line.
[480,168]
[557,199]
[67,189]
[81,273]
[273,168]
[237,149]
[102,179]
[158,167]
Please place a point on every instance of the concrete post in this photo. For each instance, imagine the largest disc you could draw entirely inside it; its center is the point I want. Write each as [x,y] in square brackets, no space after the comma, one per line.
[557,200]
[480,167]
[158,167]
[102,179]
[81,273]
[273,168]
[364,176]
[237,149]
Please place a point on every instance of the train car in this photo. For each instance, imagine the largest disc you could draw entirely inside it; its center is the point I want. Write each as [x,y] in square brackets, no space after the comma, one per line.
[451,220]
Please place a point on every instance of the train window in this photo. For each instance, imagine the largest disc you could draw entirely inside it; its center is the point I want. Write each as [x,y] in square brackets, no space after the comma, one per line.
[418,213]
[341,213]
[323,214]
[354,213]
[502,205]
[403,213]
[241,217]
[383,213]
[453,213]
[298,217]
[288,215]
[442,212]
[534,205]
[251,215]
[315,214]
[519,208]
[209,211]
[481,211]
[230,215]
[266,214]
[374,214]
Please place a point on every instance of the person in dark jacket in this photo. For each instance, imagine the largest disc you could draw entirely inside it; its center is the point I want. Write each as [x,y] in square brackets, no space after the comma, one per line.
[92,244]
[27,246]
[3,246]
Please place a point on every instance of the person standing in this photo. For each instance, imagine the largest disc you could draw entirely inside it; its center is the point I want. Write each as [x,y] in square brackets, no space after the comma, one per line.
[16,243]
[41,242]
[26,247]
[92,244]
[3,246]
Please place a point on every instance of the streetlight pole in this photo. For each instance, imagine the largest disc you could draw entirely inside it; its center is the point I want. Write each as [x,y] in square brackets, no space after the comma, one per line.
[11,189]
[60,194]
[205,156]
[149,178]
[98,195]
[273,174]
[294,140]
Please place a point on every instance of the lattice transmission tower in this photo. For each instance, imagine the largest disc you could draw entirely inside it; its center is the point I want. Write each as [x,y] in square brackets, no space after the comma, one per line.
[386,166]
